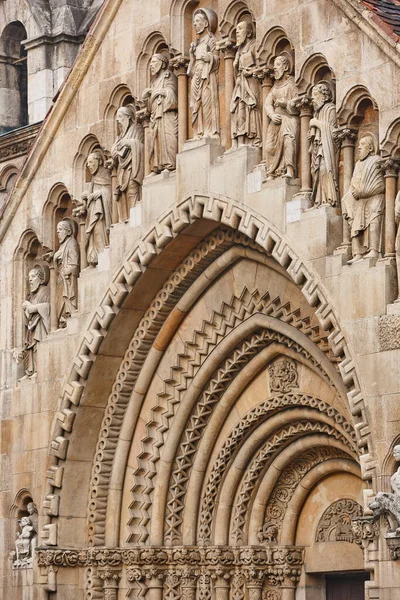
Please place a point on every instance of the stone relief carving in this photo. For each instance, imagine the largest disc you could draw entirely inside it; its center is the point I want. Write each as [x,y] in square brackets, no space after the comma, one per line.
[336,522]
[162,105]
[268,533]
[283,114]
[67,259]
[283,375]
[323,148]
[26,542]
[95,207]
[203,70]
[127,161]
[245,104]
[363,205]
[37,314]
[365,530]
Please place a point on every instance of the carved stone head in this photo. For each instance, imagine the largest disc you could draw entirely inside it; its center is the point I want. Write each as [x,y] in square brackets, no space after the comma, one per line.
[64,230]
[367,145]
[158,62]
[94,162]
[281,66]
[205,18]
[244,30]
[396,453]
[124,117]
[321,94]
[37,277]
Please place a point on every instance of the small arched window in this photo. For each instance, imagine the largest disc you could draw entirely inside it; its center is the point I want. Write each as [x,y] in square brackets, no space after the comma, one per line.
[14,78]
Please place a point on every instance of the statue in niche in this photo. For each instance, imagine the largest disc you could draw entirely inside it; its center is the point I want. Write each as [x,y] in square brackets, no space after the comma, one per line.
[127,158]
[245,104]
[25,544]
[283,129]
[323,148]
[397,244]
[363,205]
[388,504]
[37,314]
[67,258]
[95,205]
[162,104]
[203,69]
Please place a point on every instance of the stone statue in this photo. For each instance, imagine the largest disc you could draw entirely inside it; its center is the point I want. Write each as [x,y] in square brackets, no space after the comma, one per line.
[363,205]
[67,258]
[127,158]
[397,245]
[95,205]
[323,149]
[37,313]
[283,128]
[245,105]
[25,544]
[203,69]
[388,504]
[162,104]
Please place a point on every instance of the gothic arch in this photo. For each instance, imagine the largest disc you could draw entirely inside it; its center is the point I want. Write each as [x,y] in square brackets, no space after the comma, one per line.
[154,43]
[273,43]
[233,14]
[79,170]
[180,12]
[391,141]
[180,229]
[353,105]
[120,96]
[57,206]
[313,70]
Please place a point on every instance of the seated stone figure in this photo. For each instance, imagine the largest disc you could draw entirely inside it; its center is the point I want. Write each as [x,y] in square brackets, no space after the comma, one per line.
[363,205]
[25,544]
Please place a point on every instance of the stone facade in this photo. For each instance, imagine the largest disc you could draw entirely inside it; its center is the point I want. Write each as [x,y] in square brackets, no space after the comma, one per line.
[199,330]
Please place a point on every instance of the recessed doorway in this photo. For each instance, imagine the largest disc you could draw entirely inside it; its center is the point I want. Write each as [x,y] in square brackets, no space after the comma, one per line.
[346,586]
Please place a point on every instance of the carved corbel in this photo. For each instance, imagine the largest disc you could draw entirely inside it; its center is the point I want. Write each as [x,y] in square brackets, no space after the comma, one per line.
[365,530]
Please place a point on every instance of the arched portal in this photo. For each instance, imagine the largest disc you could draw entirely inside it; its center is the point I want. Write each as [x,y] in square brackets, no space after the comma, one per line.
[228,418]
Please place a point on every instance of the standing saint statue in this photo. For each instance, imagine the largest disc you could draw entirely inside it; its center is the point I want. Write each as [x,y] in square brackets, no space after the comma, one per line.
[245,104]
[37,314]
[67,259]
[323,149]
[162,104]
[95,205]
[203,69]
[283,129]
[363,205]
[127,158]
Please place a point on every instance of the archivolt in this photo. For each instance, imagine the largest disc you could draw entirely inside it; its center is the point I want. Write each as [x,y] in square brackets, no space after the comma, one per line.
[259,234]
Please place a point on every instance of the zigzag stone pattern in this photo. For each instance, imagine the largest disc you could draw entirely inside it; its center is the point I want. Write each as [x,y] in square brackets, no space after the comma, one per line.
[190,361]
[238,434]
[266,238]
[200,417]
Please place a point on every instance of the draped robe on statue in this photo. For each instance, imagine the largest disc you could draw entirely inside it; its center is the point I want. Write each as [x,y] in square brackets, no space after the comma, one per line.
[324,157]
[67,257]
[128,155]
[98,219]
[163,122]
[281,153]
[369,185]
[37,325]
[203,97]
[245,104]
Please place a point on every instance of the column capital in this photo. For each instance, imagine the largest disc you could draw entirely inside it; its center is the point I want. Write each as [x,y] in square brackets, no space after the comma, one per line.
[264,74]
[304,104]
[254,577]
[345,136]
[227,47]
[179,64]
[391,166]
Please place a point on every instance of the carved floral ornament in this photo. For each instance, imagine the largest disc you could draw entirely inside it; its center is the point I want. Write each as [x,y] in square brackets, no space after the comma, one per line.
[136,263]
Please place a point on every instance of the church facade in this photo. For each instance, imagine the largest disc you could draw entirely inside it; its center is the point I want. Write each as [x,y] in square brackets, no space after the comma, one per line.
[199,300]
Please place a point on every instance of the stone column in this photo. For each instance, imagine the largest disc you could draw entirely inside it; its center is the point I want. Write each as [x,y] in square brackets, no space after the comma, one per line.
[180,64]
[143,117]
[221,584]
[255,579]
[228,52]
[264,75]
[53,297]
[188,584]
[391,170]
[82,229]
[110,578]
[155,584]
[347,138]
[305,165]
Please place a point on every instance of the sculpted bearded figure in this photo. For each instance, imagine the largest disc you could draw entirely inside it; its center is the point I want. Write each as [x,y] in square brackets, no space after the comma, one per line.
[162,103]
[245,105]
[128,160]
[283,129]
[363,204]
[203,69]
[37,314]
[323,149]
[95,204]
[67,258]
